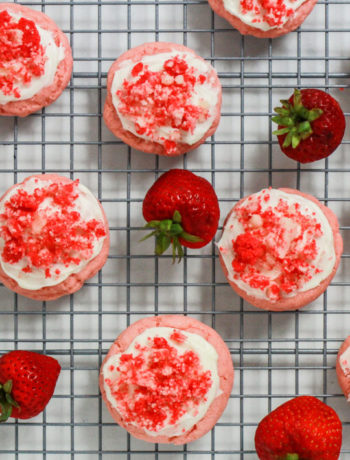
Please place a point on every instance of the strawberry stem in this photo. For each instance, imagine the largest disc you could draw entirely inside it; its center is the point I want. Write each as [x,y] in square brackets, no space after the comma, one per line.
[295,120]
[290,457]
[168,232]
[6,401]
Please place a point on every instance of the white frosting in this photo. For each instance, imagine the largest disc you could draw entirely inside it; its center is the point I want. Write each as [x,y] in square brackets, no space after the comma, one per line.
[208,359]
[324,260]
[88,207]
[54,56]
[204,95]
[254,17]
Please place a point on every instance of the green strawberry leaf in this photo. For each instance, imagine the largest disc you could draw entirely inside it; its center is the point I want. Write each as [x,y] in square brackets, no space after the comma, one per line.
[281,111]
[295,141]
[165,225]
[304,127]
[11,401]
[8,386]
[148,236]
[279,132]
[295,120]
[191,238]
[6,401]
[177,217]
[152,224]
[167,232]
[176,229]
[179,252]
[162,243]
[314,114]
[288,140]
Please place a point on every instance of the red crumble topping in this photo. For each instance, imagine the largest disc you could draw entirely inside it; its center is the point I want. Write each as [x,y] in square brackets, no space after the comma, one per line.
[52,234]
[163,99]
[273,12]
[276,251]
[178,337]
[157,386]
[22,57]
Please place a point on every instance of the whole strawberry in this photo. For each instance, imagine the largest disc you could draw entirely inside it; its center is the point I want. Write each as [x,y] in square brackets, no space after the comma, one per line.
[303,428]
[183,210]
[311,125]
[27,383]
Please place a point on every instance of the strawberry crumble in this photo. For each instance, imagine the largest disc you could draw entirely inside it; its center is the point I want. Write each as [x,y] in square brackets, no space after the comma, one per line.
[276,244]
[22,56]
[263,14]
[158,385]
[35,60]
[162,101]
[48,230]
[272,12]
[164,382]
[153,99]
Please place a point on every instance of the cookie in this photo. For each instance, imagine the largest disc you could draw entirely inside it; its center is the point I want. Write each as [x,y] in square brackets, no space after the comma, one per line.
[162,98]
[167,379]
[280,248]
[343,368]
[262,19]
[53,236]
[35,60]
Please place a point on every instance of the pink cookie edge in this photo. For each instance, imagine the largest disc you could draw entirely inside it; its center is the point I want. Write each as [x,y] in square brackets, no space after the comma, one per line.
[303,298]
[75,281]
[344,381]
[49,94]
[112,120]
[301,13]
[225,368]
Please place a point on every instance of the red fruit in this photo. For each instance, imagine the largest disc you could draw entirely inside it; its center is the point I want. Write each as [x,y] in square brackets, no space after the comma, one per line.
[183,209]
[311,125]
[28,380]
[303,428]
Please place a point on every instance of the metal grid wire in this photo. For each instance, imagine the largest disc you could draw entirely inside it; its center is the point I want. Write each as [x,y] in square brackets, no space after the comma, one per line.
[276,355]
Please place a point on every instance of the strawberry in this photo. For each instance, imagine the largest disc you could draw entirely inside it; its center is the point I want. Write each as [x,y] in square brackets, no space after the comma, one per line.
[311,125]
[303,428]
[183,210]
[28,380]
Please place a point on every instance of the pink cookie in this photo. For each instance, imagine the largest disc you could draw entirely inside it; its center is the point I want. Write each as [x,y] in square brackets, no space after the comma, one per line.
[275,26]
[54,237]
[41,65]
[183,113]
[343,368]
[185,356]
[281,260]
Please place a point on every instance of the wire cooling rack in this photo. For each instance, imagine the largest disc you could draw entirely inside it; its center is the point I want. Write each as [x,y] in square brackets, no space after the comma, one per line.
[276,355]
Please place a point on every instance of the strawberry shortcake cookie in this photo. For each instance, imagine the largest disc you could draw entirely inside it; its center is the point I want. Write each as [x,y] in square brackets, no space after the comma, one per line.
[167,379]
[35,60]
[264,18]
[343,368]
[162,98]
[280,248]
[53,236]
